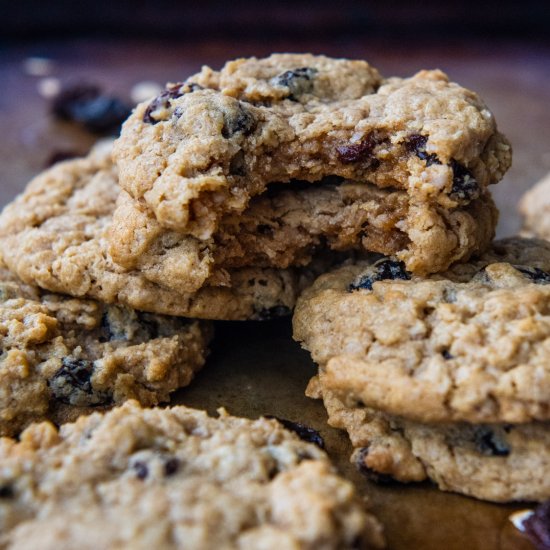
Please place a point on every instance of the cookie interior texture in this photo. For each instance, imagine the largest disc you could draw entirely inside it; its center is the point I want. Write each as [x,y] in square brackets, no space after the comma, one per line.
[466,345]
[496,462]
[168,478]
[289,224]
[63,356]
[206,147]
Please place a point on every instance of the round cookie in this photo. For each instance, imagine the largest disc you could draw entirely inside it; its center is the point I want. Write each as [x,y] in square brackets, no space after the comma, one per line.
[535,209]
[173,478]
[471,344]
[55,235]
[204,148]
[63,356]
[497,462]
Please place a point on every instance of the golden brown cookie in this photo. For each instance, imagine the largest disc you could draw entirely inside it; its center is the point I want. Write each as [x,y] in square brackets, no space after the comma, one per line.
[471,344]
[63,356]
[174,478]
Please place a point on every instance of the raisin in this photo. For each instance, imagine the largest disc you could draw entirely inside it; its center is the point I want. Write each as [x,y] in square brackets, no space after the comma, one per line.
[72,384]
[171,466]
[149,323]
[239,121]
[264,229]
[237,164]
[465,186]
[417,144]
[383,270]
[389,269]
[163,100]
[447,355]
[536,274]
[298,81]
[304,432]
[537,526]
[357,152]
[78,372]
[488,443]
[369,473]
[6,491]
[141,469]
[87,105]
[272,313]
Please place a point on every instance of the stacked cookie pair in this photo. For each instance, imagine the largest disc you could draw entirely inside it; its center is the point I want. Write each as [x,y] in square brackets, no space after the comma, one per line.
[270,164]
[442,377]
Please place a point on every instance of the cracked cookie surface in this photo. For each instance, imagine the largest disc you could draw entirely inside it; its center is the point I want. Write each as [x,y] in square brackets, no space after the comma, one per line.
[55,235]
[64,356]
[470,344]
[173,478]
[206,147]
[497,462]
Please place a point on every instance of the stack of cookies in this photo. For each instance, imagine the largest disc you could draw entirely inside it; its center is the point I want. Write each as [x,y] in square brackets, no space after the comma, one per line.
[443,377]
[224,198]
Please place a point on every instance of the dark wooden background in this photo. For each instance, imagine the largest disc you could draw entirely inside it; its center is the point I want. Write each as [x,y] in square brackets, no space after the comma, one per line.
[496,48]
